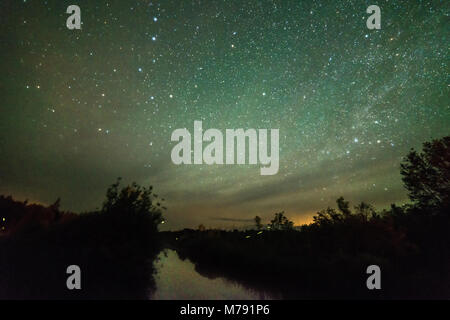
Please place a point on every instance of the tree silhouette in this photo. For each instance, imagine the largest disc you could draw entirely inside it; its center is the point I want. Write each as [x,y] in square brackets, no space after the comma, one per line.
[258,223]
[331,216]
[133,204]
[327,216]
[344,207]
[365,211]
[426,175]
[280,222]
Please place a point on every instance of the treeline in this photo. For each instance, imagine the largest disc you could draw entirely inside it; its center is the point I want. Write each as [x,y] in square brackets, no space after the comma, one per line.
[328,258]
[115,247]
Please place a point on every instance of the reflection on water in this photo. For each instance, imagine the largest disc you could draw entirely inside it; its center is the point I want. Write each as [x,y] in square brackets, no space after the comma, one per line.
[178,279]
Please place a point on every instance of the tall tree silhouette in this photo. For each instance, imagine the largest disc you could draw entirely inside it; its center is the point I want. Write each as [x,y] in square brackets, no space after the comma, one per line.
[426,175]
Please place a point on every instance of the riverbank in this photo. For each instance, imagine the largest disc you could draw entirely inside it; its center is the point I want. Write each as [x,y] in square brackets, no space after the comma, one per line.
[329,260]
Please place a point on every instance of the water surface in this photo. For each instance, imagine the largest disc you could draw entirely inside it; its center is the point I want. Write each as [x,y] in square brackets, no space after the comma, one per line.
[177,279]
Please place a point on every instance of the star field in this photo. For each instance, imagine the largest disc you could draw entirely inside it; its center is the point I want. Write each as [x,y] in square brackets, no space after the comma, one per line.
[82,107]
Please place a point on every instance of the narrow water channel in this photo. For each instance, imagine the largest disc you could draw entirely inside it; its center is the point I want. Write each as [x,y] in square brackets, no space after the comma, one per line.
[177,279]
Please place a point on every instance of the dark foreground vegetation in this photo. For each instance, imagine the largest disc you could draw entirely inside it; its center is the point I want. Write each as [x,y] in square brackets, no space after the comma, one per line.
[116,246]
[328,258]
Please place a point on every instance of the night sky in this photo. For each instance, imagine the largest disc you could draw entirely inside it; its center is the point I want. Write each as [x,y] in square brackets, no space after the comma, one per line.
[80,108]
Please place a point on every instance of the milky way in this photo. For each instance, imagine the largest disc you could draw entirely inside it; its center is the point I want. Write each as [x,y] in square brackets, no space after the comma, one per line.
[82,107]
